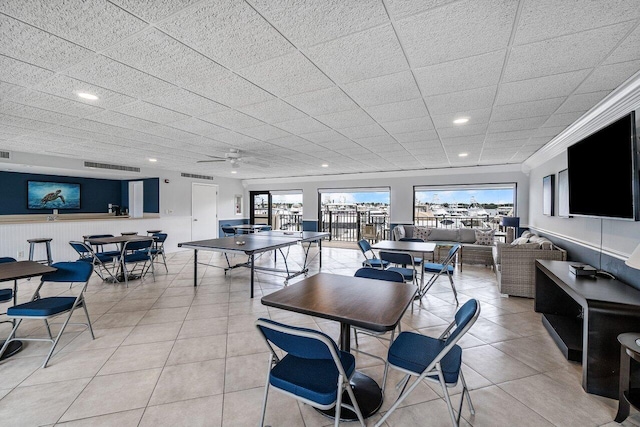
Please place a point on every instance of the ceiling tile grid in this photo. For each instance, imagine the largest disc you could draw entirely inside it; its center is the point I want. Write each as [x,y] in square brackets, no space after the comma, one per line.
[365,86]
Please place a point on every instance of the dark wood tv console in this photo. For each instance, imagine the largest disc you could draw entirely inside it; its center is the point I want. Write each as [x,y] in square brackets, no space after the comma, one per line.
[584,316]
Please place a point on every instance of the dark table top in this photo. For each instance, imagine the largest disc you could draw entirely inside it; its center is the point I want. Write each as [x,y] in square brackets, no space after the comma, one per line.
[256,242]
[23,269]
[117,239]
[376,305]
[398,245]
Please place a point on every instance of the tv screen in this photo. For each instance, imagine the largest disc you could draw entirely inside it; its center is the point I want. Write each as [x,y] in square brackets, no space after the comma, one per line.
[53,195]
[603,172]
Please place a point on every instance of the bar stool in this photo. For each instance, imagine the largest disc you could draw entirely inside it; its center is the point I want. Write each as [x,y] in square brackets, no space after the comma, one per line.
[129,233]
[47,242]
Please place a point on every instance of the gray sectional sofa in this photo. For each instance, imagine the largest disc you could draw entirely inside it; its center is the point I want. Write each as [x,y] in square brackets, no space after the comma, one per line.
[471,252]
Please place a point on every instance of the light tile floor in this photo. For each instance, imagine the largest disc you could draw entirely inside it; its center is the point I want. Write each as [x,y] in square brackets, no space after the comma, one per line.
[169,354]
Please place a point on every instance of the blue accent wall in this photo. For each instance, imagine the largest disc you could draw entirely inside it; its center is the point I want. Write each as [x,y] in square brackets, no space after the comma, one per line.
[95,193]
[309,225]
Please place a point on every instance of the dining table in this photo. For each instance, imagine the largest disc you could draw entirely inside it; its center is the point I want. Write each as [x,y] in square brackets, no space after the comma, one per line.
[15,271]
[120,241]
[422,248]
[371,304]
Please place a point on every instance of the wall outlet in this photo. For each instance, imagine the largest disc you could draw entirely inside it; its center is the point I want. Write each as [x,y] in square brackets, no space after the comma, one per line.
[20,254]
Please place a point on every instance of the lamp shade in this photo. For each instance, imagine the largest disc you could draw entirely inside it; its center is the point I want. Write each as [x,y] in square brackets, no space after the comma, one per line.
[510,221]
[634,259]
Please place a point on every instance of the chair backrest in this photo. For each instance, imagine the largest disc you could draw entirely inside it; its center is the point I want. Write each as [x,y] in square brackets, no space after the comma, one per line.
[82,248]
[411,239]
[227,229]
[138,245]
[375,273]
[402,258]
[453,251]
[364,246]
[266,228]
[77,271]
[6,259]
[300,342]
[464,318]
[159,237]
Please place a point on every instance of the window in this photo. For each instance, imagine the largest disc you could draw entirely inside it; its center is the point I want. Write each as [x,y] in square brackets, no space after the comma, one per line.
[479,206]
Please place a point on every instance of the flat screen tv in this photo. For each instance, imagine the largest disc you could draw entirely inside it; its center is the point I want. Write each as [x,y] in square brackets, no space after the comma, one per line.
[603,172]
[53,195]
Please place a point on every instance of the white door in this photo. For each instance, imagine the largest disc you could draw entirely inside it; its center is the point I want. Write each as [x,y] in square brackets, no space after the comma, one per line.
[204,211]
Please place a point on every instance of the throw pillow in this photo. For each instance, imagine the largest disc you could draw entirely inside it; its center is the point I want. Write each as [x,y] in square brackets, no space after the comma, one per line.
[520,241]
[399,232]
[421,233]
[527,234]
[485,237]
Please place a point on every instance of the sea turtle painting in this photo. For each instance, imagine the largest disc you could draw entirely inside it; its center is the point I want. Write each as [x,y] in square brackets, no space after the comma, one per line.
[52,196]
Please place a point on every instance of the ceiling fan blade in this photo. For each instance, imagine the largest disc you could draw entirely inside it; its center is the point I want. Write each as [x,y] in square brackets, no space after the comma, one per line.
[211,161]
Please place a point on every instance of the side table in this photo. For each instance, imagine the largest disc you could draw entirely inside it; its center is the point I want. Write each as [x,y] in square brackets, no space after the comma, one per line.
[629,349]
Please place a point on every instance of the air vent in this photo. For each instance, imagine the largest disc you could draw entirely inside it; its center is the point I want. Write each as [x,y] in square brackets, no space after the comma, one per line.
[5,155]
[112,167]
[193,175]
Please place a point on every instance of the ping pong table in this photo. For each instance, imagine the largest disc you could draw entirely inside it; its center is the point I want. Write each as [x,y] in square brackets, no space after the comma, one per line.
[255,244]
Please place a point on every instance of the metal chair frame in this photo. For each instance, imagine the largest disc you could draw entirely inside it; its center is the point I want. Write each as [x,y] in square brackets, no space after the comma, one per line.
[87,254]
[343,380]
[365,248]
[444,269]
[130,251]
[451,336]
[79,302]
[401,259]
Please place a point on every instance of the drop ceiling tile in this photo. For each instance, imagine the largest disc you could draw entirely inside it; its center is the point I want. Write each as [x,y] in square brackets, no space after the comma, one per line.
[302,126]
[323,101]
[362,55]
[33,113]
[537,23]
[326,137]
[287,75]
[198,126]
[608,77]
[273,111]
[94,25]
[464,141]
[426,135]
[235,139]
[228,31]
[472,99]
[563,54]
[104,72]
[231,90]
[265,132]
[543,107]
[68,88]
[419,146]
[517,124]
[371,141]
[186,102]
[308,22]
[38,47]
[540,88]
[153,10]
[363,131]
[21,73]
[564,119]
[393,111]
[232,119]
[384,89]
[21,122]
[472,28]
[54,103]
[461,74]
[547,131]
[582,101]
[497,155]
[507,136]
[469,129]
[442,121]
[8,130]
[333,145]
[125,121]
[627,50]
[400,8]
[508,144]
[408,125]
[153,113]
[345,119]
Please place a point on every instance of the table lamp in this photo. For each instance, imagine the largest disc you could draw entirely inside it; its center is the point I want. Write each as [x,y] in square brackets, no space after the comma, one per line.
[511,221]
[634,262]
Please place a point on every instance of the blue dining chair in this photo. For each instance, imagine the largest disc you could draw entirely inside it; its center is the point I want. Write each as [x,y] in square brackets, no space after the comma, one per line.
[438,269]
[371,260]
[434,359]
[98,260]
[399,260]
[137,252]
[157,249]
[313,370]
[50,307]
[7,293]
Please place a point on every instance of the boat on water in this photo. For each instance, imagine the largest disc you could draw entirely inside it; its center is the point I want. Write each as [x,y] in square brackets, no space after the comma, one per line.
[475,209]
[436,208]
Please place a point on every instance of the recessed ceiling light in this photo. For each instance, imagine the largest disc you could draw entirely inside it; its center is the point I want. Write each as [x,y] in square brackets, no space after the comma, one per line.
[234,171]
[461,120]
[463,154]
[324,165]
[153,160]
[87,96]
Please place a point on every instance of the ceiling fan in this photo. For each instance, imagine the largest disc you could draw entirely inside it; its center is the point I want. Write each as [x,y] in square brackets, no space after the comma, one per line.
[234,158]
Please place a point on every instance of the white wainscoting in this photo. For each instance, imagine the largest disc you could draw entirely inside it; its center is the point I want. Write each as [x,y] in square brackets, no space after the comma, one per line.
[13,237]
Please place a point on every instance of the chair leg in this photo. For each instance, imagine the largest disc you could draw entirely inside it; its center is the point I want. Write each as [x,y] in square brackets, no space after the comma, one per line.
[355,334]
[453,287]
[55,343]
[465,391]
[354,403]
[10,337]
[397,403]
[266,391]
[446,395]
[336,422]
[126,274]
[84,306]
[48,328]
[164,261]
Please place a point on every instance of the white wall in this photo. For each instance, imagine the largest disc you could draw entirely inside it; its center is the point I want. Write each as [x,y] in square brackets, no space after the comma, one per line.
[401,184]
[619,237]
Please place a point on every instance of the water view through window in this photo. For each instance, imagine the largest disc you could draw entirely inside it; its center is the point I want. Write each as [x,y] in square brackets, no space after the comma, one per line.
[351,216]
